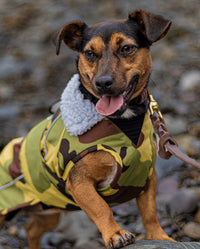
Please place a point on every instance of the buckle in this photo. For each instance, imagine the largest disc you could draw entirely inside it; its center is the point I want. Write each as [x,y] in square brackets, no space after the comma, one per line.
[153,105]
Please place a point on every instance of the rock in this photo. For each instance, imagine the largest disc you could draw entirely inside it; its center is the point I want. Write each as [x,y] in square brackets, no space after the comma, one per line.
[77,227]
[168,185]
[22,233]
[13,230]
[194,129]
[9,111]
[53,240]
[65,245]
[5,91]
[32,77]
[139,228]
[10,65]
[97,244]
[57,239]
[189,144]
[190,80]
[44,242]
[153,244]
[162,203]
[192,230]
[164,167]
[184,201]
[175,125]
[126,209]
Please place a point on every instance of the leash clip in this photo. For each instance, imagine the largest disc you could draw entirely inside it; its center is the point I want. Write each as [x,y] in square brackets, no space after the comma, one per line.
[153,105]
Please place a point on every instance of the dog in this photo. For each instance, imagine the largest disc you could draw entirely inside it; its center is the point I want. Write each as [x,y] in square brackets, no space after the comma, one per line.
[98,149]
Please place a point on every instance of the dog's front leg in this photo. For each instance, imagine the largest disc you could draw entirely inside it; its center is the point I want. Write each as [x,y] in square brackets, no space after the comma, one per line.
[84,177]
[147,207]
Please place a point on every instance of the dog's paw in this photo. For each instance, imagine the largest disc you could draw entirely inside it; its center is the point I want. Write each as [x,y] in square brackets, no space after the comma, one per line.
[121,239]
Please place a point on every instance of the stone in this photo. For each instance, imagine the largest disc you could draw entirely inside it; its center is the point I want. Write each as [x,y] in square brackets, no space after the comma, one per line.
[9,111]
[164,167]
[13,230]
[175,125]
[126,209]
[91,245]
[161,244]
[189,80]
[194,129]
[184,201]
[22,233]
[77,227]
[192,230]
[188,144]
[168,185]
[32,77]
[57,239]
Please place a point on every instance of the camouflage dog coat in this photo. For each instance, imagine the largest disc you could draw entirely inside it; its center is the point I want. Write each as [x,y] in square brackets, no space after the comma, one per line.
[34,169]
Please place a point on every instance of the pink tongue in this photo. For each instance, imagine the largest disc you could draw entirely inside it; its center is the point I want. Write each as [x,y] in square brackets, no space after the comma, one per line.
[108,105]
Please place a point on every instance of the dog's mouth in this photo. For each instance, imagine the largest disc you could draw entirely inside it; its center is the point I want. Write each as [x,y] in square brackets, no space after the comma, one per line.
[109,105]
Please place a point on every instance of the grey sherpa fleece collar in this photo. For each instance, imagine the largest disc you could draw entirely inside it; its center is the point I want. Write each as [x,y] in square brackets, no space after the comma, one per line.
[78,114]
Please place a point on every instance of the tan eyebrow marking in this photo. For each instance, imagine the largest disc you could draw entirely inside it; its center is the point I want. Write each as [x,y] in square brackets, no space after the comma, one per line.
[119,39]
[96,44]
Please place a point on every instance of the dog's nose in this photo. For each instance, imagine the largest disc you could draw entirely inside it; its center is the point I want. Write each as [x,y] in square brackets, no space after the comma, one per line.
[104,82]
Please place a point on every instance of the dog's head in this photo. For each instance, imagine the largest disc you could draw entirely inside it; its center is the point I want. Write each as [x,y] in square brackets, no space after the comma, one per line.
[114,58]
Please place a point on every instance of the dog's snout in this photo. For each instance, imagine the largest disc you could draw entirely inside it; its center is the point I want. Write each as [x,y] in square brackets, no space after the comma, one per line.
[104,82]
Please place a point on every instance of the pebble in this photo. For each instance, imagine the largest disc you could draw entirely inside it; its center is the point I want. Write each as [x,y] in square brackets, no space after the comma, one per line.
[184,201]
[5,91]
[164,167]
[56,239]
[189,144]
[168,185]
[22,233]
[194,129]
[13,230]
[192,230]
[8,111]
[190,80]
[175,125]
[126,209]
[91,245]
[32,77]
[77,227]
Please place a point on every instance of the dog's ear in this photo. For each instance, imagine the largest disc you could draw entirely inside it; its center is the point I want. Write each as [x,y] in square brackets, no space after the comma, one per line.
[153,26]
[71,34]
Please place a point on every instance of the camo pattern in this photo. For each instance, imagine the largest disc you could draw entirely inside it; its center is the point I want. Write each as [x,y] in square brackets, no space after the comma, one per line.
[36,168]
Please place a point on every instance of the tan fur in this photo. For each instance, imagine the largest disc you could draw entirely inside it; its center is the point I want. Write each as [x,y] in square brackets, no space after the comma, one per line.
[147,207]
[84,178]
[122,71]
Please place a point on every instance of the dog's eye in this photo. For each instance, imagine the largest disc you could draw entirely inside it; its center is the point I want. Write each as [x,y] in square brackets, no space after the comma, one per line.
[127,49]
[90,55]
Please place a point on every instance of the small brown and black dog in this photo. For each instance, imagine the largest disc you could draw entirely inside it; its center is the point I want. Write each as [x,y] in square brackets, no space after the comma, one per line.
[114,67]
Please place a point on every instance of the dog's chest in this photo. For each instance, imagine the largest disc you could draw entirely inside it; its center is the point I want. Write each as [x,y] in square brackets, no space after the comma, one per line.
[131,127]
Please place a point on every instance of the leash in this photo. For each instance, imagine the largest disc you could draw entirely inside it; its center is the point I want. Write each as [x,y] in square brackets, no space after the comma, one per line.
[167,144]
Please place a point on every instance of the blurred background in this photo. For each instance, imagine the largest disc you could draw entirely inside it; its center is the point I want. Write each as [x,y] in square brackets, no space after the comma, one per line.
[32,77]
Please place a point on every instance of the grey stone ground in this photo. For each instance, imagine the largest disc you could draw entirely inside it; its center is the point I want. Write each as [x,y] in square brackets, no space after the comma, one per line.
[32,77]
[163,245]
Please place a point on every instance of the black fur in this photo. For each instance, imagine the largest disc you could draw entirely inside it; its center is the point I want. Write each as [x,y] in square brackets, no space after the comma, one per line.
[129,28]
